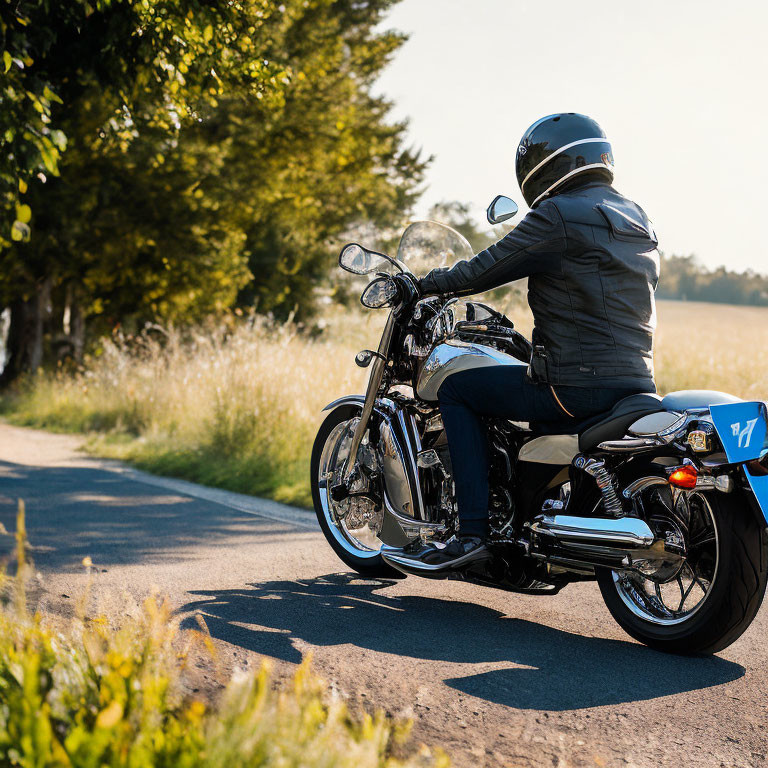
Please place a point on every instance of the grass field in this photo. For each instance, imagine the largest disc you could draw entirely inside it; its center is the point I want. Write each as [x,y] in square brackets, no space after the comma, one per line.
[238,407]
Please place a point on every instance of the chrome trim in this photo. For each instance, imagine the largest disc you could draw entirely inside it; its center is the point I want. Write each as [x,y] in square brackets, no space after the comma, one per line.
[629,444]
[434,423]
[410,526]
[388,409]
[620,578]
[412,450]
[414,567]
[335,524]
[397,488]
[656,424]
[699,440]
[666,436]
[722,483]
[346,400]
[676,427]
[626,531]
[429,459]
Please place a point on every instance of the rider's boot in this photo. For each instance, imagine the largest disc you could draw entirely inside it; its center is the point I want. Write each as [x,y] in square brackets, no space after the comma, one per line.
[458,551]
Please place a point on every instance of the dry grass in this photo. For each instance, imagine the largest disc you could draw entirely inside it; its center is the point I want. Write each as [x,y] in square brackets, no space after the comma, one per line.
[712,346]
[238,407]
[703,346]
[235,406]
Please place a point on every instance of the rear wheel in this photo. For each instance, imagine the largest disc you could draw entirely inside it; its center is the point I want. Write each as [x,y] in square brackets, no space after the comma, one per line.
[711,599]
[351,526]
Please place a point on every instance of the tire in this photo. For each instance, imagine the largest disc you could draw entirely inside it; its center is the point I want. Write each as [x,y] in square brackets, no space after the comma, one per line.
[366,564]
[734,596]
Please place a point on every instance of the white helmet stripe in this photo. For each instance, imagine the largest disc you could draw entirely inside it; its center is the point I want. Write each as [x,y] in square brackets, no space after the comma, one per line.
[562,149]
[566,177]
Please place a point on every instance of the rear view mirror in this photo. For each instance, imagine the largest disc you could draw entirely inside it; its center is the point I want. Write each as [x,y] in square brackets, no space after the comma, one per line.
[501,209]
[360,261]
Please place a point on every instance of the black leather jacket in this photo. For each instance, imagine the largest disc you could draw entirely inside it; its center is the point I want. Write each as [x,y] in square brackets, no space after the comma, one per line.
[592,266]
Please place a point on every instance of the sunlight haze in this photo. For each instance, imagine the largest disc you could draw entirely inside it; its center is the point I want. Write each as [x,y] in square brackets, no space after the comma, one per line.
[679,88]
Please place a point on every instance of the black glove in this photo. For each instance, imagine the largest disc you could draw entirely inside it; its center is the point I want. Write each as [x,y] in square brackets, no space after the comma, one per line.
[427,285]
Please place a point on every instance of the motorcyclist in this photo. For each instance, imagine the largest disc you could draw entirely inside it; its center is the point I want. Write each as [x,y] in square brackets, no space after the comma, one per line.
[592,266]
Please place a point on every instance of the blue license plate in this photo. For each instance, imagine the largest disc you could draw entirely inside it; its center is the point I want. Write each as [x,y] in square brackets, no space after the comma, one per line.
[743,431]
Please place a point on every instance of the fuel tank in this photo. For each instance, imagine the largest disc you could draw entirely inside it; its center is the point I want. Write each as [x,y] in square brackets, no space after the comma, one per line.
[452,356]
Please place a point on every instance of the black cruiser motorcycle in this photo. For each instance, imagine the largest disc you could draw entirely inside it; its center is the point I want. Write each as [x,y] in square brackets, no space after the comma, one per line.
[663,500]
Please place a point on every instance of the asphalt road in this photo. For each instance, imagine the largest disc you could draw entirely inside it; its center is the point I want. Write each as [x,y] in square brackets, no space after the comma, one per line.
[496,679]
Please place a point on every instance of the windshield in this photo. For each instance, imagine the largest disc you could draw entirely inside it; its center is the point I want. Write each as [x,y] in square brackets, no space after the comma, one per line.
[427,244]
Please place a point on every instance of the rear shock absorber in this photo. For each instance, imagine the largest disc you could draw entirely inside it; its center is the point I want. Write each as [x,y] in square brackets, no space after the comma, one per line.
[605,482]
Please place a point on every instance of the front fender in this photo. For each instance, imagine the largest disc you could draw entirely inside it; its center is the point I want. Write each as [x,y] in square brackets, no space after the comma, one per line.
[346,400]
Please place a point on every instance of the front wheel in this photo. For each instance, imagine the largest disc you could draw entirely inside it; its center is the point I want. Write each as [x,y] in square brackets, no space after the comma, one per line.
[352,527]
[717,591]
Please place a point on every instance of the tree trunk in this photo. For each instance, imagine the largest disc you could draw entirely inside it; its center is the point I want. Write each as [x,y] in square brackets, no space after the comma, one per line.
[24,351]
[75,323]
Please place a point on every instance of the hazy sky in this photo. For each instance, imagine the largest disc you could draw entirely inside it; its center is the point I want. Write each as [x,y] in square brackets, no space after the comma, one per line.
[679,86]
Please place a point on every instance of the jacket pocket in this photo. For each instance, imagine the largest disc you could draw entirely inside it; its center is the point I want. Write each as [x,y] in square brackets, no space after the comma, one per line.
[627,224]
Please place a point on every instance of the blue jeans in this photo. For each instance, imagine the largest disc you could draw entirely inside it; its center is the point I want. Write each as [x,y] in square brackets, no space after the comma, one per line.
[505,392]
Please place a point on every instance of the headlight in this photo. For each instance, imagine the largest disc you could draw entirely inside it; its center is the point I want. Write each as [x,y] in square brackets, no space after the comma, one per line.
[381,292]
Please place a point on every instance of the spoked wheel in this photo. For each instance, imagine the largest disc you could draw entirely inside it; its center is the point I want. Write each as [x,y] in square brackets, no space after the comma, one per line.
[353,527]
[704,603]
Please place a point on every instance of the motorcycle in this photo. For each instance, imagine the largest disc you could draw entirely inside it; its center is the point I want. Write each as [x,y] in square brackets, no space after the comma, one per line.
[663,500]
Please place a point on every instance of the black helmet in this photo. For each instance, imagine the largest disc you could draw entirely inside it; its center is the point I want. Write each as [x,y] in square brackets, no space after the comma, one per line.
[557,148]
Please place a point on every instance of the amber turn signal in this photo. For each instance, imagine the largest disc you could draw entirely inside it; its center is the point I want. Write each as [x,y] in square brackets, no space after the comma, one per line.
[684,477]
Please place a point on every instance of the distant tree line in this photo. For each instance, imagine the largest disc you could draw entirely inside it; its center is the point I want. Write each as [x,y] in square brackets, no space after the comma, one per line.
[684,278]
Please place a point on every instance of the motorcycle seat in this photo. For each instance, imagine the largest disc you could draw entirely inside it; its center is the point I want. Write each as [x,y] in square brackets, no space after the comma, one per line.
[614,424]
[605,426]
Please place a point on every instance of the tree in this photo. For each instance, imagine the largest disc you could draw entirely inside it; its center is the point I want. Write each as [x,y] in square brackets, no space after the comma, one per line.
[201,139]
[326,161]
[109,72]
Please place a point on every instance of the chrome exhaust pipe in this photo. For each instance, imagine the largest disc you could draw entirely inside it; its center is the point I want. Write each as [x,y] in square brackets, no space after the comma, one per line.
[621,532]
[623,543]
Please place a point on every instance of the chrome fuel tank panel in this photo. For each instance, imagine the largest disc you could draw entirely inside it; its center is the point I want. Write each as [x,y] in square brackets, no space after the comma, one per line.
[453,356]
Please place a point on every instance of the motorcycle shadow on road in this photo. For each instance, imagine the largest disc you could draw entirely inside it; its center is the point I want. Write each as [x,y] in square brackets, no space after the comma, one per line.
[557,670]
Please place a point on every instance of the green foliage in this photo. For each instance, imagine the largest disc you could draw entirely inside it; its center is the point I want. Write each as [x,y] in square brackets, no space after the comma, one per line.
[682,277]
[327,161]
[215,152]
[97,695]
[117,65]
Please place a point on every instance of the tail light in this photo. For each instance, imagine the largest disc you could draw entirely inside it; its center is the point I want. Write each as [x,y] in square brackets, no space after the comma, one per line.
[684,477]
